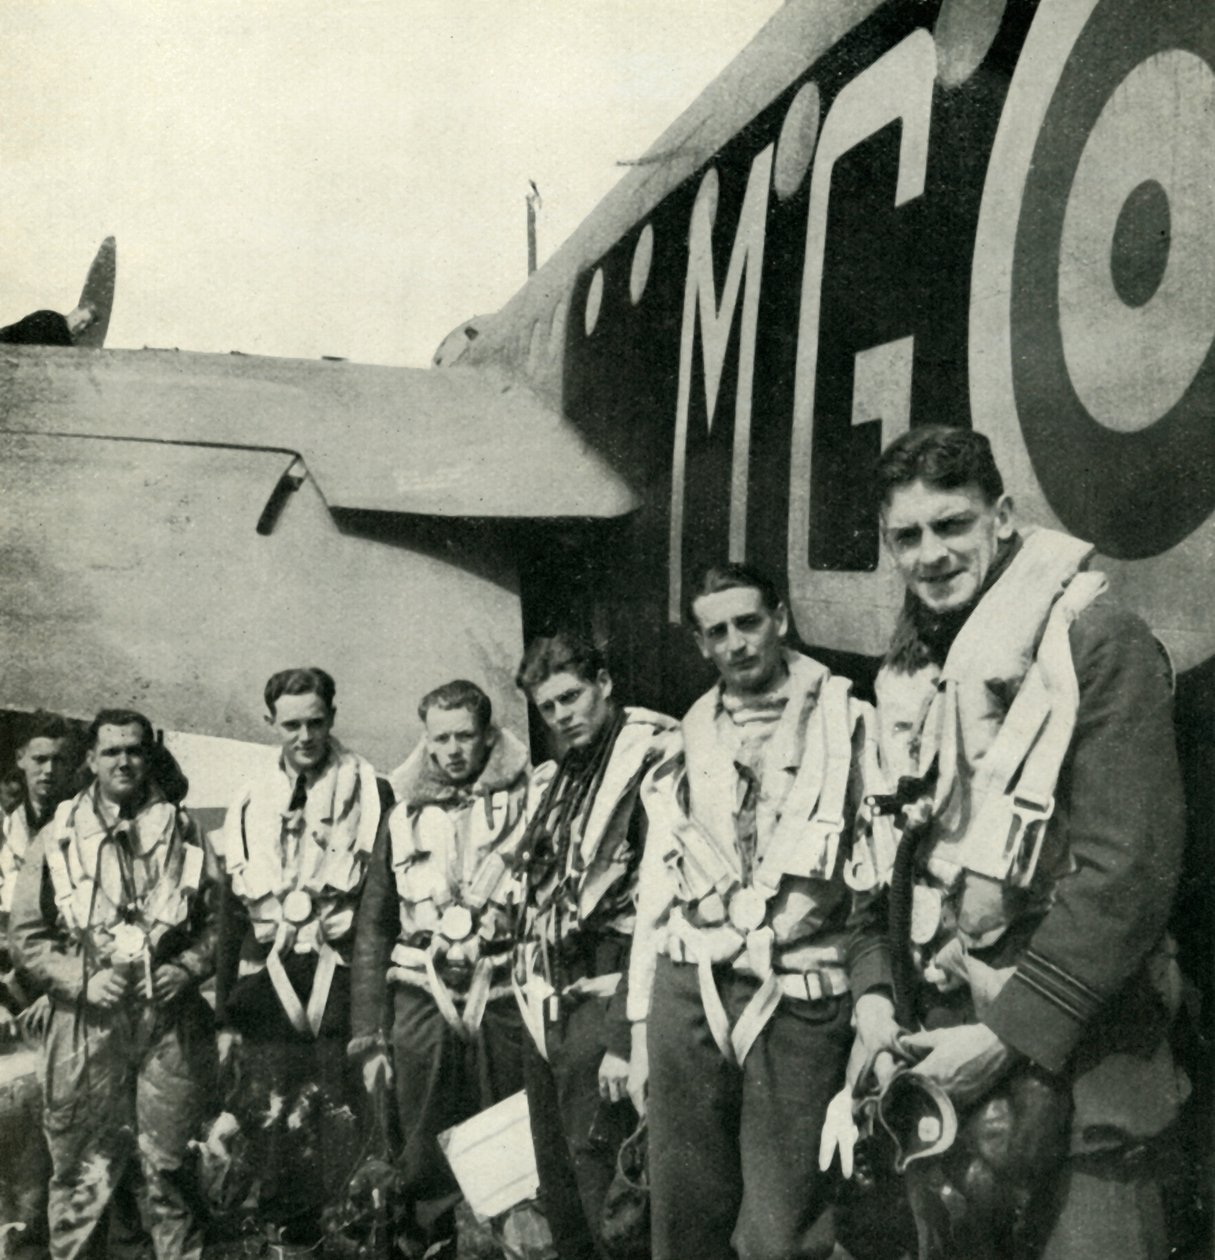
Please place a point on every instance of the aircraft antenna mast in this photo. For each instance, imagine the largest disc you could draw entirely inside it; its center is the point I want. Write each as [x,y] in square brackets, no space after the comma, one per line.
[533,205]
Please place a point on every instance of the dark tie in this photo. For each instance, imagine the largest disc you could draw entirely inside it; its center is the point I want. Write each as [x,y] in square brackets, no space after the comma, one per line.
[300,796]
[747,832]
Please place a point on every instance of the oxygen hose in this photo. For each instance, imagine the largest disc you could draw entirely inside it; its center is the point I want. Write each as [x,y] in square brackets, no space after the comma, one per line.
[910,802]
[902,888]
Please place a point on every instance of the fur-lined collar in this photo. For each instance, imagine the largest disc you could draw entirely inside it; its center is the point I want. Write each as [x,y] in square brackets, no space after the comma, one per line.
[417,781]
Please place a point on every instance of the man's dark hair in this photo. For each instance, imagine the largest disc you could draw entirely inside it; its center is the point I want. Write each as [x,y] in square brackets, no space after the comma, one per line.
[122,717]
[563,651]
[309,681]
[941,456]
[459,694]
[45,725]
[728,577]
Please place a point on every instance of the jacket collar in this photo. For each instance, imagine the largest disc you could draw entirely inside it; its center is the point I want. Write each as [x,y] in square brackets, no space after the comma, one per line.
[92,817]
[417,780]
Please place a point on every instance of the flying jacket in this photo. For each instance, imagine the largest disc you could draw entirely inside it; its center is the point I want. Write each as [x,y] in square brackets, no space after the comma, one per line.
[1072,912]
[439,890]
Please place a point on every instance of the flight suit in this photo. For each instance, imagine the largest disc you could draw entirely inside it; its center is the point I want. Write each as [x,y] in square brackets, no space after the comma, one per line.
[294,851]
[100,890]
[433,946]
[579,864]
[740,963]
[1039,891]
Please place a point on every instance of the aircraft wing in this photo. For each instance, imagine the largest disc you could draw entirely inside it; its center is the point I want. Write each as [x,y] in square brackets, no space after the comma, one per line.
[469,442]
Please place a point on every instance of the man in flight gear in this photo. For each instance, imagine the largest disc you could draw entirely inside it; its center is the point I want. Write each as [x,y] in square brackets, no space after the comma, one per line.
[578,864]
[435,924]
[294,850]
[1028,723]
[45,767]
[111,917]
[741,953]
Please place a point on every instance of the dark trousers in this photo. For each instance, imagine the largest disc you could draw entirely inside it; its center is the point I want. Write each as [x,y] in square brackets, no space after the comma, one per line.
[299,1105]
[442,1079]
[734,1151]
[576,1134]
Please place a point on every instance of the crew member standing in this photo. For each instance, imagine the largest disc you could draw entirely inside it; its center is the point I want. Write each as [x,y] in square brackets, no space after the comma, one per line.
[111,918]
[578,863]
[740,958]
[435,924]
[294,849]
[1032,720]
[43,760]
[44,764]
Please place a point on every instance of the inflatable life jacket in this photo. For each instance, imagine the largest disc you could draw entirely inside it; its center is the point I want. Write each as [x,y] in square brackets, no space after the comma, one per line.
[123,885]
[450,852]
[995,723]
[15,838]
[299,872]
[561,903]
[765,921]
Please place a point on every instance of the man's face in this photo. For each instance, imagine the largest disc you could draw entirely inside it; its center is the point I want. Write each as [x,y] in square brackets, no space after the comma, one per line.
[456,743]
[742,637]
[945,541]
[44,763]
[572,708]
[302,725]
[120,762]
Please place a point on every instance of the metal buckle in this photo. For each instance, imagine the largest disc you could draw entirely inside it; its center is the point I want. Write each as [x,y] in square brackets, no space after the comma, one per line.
[1030,814]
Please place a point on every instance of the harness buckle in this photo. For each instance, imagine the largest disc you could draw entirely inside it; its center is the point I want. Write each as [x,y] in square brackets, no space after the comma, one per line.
[1027,830]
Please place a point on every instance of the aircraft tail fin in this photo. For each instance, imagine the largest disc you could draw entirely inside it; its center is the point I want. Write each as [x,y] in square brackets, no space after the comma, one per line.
[98,292]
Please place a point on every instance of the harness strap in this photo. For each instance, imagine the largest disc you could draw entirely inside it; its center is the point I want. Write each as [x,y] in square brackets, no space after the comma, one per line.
[305,1021]
[818,794]
[696,947]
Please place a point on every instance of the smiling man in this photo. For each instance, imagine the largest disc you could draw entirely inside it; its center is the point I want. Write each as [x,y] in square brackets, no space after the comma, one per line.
[294,849]
[433,950]
[578,865]
[111,918]
[1030,720]
[740,956]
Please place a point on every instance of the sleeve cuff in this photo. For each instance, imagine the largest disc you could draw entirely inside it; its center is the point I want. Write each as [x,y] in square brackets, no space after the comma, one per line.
[1043,1011]
[617,1031]
[869,968]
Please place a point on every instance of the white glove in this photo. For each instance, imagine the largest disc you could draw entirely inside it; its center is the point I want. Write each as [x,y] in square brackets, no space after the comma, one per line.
[839,1133]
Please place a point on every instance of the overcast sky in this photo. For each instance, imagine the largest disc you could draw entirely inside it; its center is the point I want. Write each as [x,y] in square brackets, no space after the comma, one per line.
[303,178]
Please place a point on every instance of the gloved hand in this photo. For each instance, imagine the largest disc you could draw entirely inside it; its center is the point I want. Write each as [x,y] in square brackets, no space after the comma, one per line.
[840,1133]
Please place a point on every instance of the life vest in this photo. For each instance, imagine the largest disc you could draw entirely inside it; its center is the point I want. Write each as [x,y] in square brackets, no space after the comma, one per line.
[450,854]
[15,838]
[997,721]
[597,861]
[307,905]
[768,925]
[121,887]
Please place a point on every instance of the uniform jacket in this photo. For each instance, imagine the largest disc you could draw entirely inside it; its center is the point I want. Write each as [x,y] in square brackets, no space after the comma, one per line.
[444,846]
[1090,989]
[94,888]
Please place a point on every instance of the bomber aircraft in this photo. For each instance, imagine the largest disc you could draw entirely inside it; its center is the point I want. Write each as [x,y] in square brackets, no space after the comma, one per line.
[883,213]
